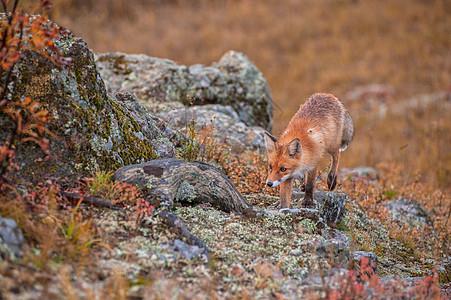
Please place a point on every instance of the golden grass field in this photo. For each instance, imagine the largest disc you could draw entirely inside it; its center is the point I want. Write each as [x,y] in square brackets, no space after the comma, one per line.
[302,47]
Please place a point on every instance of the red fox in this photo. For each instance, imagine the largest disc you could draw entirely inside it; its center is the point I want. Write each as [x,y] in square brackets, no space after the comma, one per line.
[322,124]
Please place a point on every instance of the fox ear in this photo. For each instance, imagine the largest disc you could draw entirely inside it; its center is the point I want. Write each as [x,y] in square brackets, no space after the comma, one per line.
[294,148]
[271,143]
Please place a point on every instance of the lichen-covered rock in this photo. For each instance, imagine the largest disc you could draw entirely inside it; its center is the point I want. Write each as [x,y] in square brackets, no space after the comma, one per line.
[253,241]
[336,247]
[227,127]
[167,181]
[94,130]
[183,249]
[331,205]
[11,239]
[410,212]
[232,81]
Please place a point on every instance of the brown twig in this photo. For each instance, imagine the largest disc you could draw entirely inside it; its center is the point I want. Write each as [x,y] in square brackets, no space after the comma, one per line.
[98,202]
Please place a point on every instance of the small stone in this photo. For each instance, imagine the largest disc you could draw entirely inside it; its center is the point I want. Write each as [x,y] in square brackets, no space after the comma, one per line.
[359,172]
[410,212]
[11,239]
[185,250]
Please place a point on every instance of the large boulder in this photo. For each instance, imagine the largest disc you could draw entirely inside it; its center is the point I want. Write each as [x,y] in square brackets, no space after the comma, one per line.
[232,81]
[94,130]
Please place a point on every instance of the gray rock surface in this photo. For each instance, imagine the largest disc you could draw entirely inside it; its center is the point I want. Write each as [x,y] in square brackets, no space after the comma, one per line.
[228,129]
[232,81]
[410,212]
[11,239]
[331,205]
[182,248]
[359,172]
[167,181]
[336,249]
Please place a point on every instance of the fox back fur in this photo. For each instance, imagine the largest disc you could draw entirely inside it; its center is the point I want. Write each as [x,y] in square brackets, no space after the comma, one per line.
[322,124]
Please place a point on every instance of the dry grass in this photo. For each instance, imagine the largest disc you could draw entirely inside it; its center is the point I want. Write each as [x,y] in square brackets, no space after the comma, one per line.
[303,47]
[316,45]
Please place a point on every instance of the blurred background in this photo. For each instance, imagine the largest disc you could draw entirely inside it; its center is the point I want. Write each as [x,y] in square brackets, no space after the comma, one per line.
[389,61]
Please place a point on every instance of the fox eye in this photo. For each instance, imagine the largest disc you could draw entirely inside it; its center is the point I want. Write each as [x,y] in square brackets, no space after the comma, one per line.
[270,167]
[283,169]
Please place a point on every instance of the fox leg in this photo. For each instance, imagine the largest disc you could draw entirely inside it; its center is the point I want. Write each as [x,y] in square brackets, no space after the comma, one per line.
[302,188]
[286,188]
[309,187]
[332,176]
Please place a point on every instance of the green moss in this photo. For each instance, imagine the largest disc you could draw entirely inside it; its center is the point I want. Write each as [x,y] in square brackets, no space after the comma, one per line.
[342,226]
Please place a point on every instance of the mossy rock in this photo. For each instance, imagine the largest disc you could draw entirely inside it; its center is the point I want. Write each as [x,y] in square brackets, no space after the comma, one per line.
[93,129]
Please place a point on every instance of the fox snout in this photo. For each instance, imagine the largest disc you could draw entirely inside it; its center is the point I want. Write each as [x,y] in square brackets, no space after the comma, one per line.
[273,184]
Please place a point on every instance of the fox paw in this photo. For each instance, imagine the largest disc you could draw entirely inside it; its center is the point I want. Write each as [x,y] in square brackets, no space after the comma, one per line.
[307,203]
[331,181]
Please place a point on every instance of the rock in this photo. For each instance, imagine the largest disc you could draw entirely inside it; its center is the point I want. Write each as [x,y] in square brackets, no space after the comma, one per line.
[370,98]
[423,101]
[253,212]
[359,172]
[232,81]
[371,91]
[444,269]
[331,277]
[293,211]
[177,225]
[165,181]
[410,212]
[94,130]
[185,250]
[335,248]
[228,128]
[11,239]
[331,205]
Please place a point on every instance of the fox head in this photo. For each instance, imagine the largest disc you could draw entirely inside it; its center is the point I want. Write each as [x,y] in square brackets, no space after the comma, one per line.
[283,160]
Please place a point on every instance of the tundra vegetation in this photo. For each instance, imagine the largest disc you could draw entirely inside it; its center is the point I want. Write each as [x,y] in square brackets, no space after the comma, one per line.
[73,250]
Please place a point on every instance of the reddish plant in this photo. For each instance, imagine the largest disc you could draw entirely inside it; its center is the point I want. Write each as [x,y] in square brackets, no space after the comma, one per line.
[26,120]
[365,284]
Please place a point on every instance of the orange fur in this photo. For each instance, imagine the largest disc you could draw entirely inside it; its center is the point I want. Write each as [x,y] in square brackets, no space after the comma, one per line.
[321,125]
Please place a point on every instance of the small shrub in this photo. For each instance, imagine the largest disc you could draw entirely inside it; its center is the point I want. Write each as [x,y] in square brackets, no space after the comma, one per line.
[199,143]
[365,284]
[120,193]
